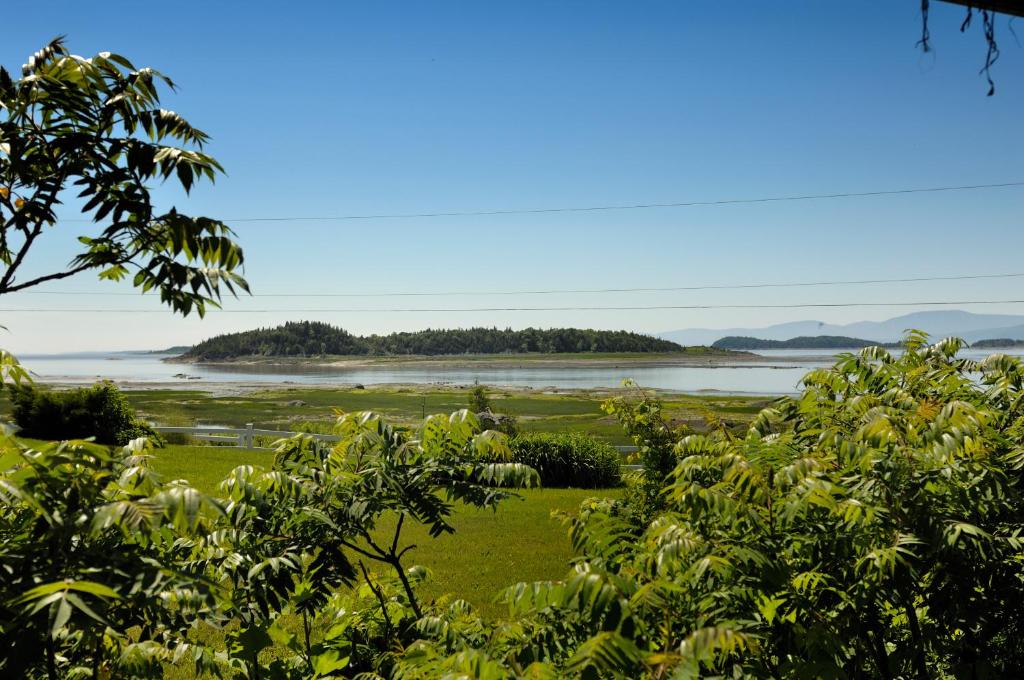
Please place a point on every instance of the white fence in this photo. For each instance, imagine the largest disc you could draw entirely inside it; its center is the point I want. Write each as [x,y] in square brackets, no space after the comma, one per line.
[244,437]
[241,437]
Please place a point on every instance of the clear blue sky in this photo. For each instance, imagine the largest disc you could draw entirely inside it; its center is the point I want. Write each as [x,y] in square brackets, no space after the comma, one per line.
[354,108]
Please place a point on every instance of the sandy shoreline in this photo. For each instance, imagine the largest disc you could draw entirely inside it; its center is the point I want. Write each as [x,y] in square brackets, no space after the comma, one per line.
[506,362]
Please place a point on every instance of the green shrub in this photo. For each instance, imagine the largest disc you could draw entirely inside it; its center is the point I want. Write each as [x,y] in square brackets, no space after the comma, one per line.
[569,459]
[479,400]
[100,411]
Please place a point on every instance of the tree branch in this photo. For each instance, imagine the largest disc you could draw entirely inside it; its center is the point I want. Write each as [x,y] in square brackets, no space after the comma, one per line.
[19,258]
[31,236]
[4,288]
[369,539]
[366,553]
[398,532]
[380,598]
[413,602]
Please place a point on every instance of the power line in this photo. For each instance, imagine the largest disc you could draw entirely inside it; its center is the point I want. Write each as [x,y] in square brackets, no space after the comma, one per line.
[526,309]
[599,208]
[637,206]
[555,291]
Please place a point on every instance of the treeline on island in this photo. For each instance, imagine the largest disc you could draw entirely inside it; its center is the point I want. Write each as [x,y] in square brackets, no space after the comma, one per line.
[311,338]
[735,342]
[997,343]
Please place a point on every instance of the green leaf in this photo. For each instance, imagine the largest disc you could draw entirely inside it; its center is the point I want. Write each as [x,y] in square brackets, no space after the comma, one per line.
[328,662]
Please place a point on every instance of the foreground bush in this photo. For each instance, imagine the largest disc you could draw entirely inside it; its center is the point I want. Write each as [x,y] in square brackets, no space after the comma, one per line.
[100,411]
[871,527]
[569,460]
[109,571]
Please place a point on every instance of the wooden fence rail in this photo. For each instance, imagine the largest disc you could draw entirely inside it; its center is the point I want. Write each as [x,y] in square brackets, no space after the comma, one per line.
[245,437]
[241,437]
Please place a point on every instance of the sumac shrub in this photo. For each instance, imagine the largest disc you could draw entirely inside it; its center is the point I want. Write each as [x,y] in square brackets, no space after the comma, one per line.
[100,411]
[568,459]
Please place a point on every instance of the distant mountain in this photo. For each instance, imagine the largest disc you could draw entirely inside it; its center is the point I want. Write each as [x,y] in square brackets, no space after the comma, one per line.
[802,342]
[939,324]
[1010,333]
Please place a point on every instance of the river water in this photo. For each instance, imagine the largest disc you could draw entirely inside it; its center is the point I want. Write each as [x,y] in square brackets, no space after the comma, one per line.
[778,373]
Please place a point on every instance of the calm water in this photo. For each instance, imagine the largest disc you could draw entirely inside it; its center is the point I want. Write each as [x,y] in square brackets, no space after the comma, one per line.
[772,376]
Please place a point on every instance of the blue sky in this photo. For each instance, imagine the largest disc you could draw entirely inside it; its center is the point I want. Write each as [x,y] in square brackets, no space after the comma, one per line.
[369,108]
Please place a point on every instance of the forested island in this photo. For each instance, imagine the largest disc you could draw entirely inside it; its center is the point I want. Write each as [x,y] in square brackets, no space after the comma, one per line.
[739,342]
[316,339]
[997,343]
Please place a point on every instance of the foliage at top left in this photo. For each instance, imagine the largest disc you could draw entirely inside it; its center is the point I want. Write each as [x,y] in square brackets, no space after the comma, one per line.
[93,131]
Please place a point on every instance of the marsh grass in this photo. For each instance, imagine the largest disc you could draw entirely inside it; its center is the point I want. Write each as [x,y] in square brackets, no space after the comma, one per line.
[289,408]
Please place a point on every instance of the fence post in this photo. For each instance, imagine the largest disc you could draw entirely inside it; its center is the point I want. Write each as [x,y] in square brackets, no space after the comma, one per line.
[249,443]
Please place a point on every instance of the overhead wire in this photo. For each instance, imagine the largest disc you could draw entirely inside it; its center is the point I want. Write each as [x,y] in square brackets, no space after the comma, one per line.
[601,208]
[570,291]
[395,310]
[637,206]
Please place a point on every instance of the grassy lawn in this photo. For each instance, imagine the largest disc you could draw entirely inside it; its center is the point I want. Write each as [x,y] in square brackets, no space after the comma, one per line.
[205,466]
[488,551]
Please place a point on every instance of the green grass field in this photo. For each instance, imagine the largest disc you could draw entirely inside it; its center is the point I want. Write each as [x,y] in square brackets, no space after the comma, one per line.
[205,466]
[488,551]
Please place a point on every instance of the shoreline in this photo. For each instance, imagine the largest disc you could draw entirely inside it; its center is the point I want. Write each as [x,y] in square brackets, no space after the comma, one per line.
[509,362]
[245,387]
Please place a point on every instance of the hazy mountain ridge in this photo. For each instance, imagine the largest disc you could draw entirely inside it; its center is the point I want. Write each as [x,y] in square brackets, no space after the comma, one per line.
[967,325]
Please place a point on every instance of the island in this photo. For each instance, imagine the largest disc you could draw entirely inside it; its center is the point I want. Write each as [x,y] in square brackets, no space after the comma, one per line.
[317,342]
[739,342]
[997,343]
